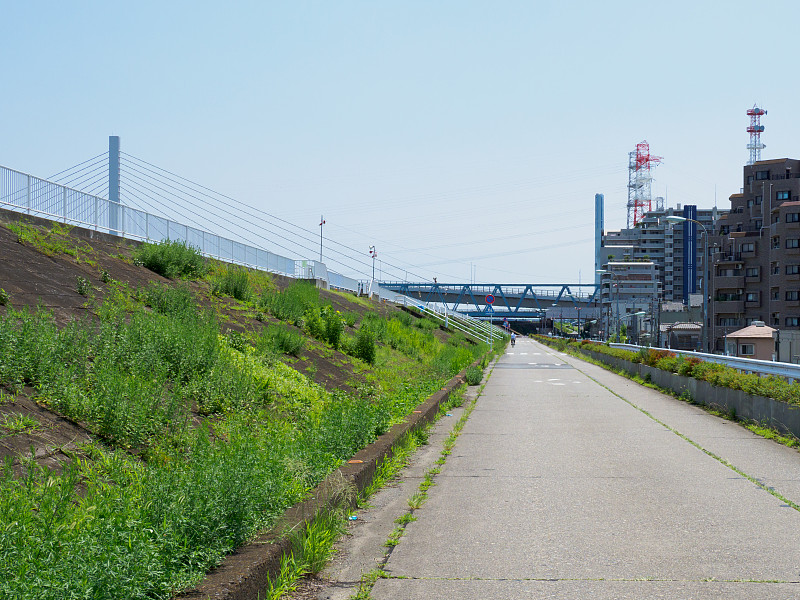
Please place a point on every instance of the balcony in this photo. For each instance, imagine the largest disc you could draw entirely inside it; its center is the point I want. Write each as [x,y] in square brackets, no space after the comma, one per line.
[729,282]
[729,306]
[720,258]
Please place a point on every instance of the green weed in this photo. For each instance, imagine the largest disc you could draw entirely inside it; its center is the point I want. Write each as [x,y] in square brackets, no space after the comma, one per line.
[232,281]
[171,259]
[19,423]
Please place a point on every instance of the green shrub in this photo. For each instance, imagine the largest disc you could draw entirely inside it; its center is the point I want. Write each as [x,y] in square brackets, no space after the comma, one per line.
[334,326]
[171,259]
[474,375]
[234,282]
[170,300]
[84,287]
[280,339]
[5,298]
[292,303]
[364,346]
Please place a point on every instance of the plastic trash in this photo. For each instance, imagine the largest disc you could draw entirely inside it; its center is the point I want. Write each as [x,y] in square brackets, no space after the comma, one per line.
[448,414]
[352,518]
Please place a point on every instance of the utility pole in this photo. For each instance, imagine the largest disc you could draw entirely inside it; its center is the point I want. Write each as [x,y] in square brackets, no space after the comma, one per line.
[374,254]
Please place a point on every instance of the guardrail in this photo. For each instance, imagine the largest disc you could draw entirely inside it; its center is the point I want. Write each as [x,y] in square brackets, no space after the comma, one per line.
[747,365]
[28,194]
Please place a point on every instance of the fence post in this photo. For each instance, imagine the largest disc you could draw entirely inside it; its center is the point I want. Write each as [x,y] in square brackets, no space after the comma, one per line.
[28,195]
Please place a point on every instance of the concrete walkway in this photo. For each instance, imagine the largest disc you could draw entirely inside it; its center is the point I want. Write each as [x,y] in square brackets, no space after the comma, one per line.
[571,482]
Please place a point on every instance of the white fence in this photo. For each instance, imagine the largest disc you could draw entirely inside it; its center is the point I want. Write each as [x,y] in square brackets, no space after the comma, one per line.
[31,195]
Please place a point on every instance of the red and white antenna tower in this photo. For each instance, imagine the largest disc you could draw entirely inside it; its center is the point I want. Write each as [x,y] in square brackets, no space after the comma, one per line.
[755,146]
[639,179]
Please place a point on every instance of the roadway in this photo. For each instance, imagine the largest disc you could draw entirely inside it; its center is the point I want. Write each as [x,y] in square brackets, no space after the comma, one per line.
[569,481]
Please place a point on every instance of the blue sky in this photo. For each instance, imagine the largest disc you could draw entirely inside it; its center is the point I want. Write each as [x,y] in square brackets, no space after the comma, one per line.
[446,134]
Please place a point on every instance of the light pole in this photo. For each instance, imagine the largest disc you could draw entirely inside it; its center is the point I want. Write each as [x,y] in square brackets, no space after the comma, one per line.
[677,219]
[613,276]
[374,254]
[638,314]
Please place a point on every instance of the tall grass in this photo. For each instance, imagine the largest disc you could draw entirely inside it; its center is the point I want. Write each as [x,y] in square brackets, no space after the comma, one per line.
[171,259]
[232,281]
[111,525]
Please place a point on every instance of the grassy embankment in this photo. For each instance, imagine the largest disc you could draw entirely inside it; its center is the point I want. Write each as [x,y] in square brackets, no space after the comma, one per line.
[202,439]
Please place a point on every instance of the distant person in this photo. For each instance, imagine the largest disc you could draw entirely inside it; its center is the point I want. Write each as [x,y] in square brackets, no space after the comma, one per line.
[513,339]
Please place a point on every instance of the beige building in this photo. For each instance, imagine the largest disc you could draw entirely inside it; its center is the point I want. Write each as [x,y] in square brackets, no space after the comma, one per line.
[754,341]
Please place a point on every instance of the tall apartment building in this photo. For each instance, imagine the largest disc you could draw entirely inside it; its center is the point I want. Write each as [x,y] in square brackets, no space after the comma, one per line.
[679,272]
[756,257]
[628,287]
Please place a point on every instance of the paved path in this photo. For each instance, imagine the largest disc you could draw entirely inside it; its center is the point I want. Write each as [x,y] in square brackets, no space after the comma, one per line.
[571,482]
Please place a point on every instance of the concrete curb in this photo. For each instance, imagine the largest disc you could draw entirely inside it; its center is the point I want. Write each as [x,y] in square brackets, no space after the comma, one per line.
[243,574]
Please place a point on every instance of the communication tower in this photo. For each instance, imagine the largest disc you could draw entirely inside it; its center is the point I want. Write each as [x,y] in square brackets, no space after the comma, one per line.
[640,163]
[755,146]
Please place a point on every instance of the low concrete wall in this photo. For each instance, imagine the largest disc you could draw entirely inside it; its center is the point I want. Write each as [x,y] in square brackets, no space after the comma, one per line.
[782,416]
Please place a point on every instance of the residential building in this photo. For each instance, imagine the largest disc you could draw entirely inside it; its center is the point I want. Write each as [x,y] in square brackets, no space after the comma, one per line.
[754,341]
[675,248]
[756,257]
[629,287]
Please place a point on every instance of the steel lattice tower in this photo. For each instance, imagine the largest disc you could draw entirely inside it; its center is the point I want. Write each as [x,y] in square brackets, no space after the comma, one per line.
[755,146]
[639,180]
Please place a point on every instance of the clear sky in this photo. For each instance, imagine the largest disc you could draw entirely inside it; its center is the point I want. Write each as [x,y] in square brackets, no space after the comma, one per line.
[446,134]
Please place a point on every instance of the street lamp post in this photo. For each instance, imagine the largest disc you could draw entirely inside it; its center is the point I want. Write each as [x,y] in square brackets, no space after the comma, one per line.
[677,219]
[638,314]
[374,254]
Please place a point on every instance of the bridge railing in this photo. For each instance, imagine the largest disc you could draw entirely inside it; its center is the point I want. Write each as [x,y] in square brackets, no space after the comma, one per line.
[747,365]
[28,194]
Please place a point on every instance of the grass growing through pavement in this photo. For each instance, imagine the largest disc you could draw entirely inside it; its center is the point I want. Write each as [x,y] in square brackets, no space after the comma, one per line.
[147,512]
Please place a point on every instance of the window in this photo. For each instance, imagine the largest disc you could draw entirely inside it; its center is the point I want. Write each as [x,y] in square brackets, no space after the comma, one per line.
[746,349]
[782,195]
[749,320]
[776,294]
[776,243]
[775,269]
[793,243]
[749,179]
[751,297]
[750,203]
[793,321]
[792,295]
[776,319]
[749,247]
[793,217]
[762,175]
[793,269]
[728,322]
[751,272]
[757,200]
[724,229]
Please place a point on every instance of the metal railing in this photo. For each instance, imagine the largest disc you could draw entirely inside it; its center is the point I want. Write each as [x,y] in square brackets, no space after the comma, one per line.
[24,193]
[747,365]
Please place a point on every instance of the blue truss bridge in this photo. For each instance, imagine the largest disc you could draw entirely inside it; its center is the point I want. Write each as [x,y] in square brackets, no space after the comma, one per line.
[512,301]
